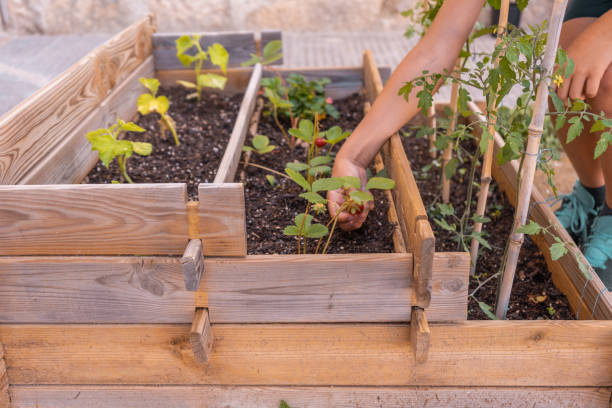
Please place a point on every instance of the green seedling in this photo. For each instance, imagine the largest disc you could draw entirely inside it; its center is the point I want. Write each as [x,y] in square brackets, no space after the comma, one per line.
[106,141]
[270,54]
[217,54]
[261,145]
[148,103]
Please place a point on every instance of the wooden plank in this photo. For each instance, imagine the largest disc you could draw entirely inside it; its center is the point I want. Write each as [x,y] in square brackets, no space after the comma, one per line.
[73,158]
[268,36]
[222,219]
[247,290]
[372,80]
[5,399]
[337,288]
[239,45]
[134,396]
[471,353]
[419,335]
[192,264]
[566,272]
[201,336]
[229,163]
[81,289]
[36,126]
[237,78]
[93,219]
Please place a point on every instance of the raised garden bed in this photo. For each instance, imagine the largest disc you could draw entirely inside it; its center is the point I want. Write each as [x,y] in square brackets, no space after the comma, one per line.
[94,309]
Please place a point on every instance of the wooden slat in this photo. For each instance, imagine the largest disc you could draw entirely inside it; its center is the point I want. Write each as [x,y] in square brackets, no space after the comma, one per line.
[419,335]
[312,397]
[36,126]
[254,289]
[229,163]
[222,219]
[93,219]
[271,35]
[566,272]
[239,45]
[336,288]
[4,384]
[73,158]
[472,353]
[93,290]
[201,336]
[237,78]
[192,263]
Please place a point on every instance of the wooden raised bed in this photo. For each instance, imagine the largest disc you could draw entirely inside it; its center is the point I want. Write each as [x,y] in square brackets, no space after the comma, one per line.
[85,326]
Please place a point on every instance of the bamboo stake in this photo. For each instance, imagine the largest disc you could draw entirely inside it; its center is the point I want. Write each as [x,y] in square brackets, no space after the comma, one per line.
[531,159]
[431,112]
[485,176]
[448,151]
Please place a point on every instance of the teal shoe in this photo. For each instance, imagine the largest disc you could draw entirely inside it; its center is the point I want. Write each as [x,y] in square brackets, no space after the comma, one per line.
[577,212]
[598,249]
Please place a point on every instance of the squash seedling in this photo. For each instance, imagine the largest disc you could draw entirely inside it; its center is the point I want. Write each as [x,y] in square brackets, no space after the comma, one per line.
[150,102]
[218,56]
[106,141]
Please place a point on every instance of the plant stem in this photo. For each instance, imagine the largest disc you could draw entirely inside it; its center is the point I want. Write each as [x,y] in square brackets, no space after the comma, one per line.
[282,129]
[331,233]
[172,130]
[278,173]
[123,167]
[466,213]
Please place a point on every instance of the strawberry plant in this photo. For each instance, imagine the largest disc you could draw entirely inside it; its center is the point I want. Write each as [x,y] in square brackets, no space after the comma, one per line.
[261,145]
[150,102]
[217,54]
[106,141]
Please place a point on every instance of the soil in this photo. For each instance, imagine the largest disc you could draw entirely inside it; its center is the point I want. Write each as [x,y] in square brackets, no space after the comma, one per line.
[534,295]
[271,208]
[203,128]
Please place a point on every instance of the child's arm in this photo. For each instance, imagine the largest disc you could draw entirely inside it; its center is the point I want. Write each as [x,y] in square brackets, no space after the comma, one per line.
[436,51]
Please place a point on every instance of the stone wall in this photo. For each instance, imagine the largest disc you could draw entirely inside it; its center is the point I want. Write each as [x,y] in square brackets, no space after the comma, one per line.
[109,16]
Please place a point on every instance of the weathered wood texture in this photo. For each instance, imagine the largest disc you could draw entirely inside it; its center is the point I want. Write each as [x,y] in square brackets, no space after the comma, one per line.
[73,158]
[418,235]
[566,272]
[103,219]
[334,288]
[312,397]
[240,46]
[4,384]
[222,224]
[229,163]
[253,289]
[118,219]
[472,353]
[419,335]
[201,336]
[34,128]
[192,263]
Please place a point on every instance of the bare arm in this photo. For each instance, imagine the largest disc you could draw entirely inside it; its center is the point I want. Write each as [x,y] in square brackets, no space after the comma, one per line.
[435,52]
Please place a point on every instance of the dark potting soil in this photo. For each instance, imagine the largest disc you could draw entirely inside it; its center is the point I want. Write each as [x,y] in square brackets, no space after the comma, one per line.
[534,295]
[271,208]
[203,128]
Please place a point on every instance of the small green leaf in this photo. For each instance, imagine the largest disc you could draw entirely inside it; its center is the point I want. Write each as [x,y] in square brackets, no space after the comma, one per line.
[313,198]
[260,141]
[479,219]
[152,84]
[291,230]
[297,166]
[266,149]
[146,104]
[298,178]
[315,171]
[183,43]
[303,220]
[219,56]
[574,130]
[361,196]
[533,228]
[351,182]
[130,126]
[186,59]
[254,60]
[598,126]
[271,179]
[316,231]
[442,222]
[187,84]
[212,81]
[319,160]
[246,148]
[163,104]
[380,183]
[451,168]
[142,148]
[284,404]
[446,209]
[271,52]
[557,250]
[602,144]
[487,310]
[326,184]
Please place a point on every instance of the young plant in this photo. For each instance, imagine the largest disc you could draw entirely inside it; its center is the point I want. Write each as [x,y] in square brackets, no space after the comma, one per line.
[148,103]
[261,145]
[106,141]
[217,54]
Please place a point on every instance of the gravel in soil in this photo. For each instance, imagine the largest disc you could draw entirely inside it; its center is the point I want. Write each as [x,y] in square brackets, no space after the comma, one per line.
[203,128]
[534,295]
[271,208]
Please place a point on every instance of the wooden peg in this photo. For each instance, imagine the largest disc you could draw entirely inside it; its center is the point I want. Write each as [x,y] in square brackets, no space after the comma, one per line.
[419,335]
[201,336]
[193,265]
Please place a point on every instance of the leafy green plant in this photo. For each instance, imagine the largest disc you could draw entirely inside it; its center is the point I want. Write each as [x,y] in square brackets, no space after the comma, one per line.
[106,141]
[270,53]
[148,103]
[218,56]
[261,145]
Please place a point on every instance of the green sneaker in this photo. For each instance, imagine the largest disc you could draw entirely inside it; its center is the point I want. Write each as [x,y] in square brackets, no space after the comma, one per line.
[577,212]
[598,249]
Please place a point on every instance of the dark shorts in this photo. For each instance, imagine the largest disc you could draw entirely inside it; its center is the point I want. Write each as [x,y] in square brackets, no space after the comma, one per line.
[587,8]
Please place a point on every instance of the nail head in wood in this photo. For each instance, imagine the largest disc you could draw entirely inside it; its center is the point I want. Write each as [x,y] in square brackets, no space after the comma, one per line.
[193,265]
[201,336]
[419,335]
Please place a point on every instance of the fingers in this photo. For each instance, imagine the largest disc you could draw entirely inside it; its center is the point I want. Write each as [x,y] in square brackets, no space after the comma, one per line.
[350,222]
[576,90]
[592,83]
[335,199]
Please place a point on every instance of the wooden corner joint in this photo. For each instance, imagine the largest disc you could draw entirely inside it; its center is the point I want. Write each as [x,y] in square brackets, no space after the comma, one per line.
[201,336]
[419,335]
[193,265]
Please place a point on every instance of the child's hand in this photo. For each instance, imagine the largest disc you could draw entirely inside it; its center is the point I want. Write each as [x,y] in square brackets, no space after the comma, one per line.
[592,55]
[335,198]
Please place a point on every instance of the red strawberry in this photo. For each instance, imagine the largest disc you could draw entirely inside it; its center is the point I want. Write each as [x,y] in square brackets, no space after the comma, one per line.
[320,142]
